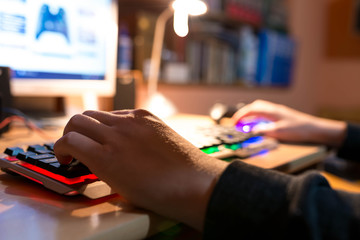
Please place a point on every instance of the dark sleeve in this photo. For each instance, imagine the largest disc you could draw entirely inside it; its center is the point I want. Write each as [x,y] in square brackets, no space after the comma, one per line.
[254,203]
[350,149]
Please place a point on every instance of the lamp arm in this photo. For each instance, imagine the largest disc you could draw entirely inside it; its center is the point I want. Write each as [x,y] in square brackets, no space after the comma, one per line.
[157,50]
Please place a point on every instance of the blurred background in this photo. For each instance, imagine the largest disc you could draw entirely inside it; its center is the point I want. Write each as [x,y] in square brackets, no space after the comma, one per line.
[302,53]
[317,42]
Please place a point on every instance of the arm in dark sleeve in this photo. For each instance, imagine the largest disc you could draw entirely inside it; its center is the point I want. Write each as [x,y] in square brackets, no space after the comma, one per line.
[253,203]
[350,149]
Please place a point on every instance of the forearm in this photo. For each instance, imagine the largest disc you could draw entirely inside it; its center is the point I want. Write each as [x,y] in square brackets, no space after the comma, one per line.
[189,201]
[329,132]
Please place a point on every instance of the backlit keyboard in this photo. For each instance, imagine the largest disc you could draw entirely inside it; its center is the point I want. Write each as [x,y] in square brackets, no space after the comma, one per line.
[38,162]
[225,142]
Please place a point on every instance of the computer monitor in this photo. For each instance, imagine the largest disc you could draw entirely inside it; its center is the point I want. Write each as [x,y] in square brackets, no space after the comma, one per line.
[59,48]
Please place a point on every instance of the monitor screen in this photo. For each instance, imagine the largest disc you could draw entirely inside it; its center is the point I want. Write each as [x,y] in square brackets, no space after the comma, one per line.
[59,47]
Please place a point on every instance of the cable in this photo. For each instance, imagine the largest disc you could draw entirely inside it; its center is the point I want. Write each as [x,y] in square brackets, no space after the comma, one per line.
[18,116]
[14,111]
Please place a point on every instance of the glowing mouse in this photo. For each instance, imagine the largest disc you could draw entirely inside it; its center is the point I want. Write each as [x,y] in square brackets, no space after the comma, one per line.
[247,126]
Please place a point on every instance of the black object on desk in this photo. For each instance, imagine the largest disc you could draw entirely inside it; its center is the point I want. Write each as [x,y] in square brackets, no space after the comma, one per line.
[125,92]
[5,94]
[219,111]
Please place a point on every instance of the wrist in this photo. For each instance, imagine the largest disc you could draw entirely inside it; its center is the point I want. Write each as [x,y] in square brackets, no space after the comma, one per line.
[201,186]
[329,132]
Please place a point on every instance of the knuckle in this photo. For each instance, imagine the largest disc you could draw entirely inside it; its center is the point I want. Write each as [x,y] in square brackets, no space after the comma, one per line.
[66,140]
[74,120]
[142,112]
[89,112]
[69,137]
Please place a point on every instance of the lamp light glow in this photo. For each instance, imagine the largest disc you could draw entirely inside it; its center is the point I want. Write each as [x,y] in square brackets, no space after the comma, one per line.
[181,20]
[192,7]
[182,10]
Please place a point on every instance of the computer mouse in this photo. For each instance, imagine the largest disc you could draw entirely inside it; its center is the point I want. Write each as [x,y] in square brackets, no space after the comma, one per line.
[248,125]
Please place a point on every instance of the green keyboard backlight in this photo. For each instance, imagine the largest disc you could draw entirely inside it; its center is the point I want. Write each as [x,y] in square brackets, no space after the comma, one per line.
[233,147]
[210,150]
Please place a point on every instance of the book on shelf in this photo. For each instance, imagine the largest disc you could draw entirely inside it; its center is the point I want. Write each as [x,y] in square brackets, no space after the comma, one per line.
[276,15]
[248,11]
[263,59]
[211,55]
[260,13]
[276,59]
[219,52]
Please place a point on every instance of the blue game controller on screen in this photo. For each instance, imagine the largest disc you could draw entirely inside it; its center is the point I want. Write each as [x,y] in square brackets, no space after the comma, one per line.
[49,22]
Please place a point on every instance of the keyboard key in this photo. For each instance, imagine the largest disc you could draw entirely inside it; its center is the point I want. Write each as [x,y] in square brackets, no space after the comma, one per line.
[33,148]
[24,155]
[40,156]
[77,169]
[69,171]
[13,151]
[45,151]
[33,159]
[49,146]
[43,163]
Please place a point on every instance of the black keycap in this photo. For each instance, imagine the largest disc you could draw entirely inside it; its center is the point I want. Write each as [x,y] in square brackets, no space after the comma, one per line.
[43,163]
[54,167]
[45,151]
[33,148]
[72,170]
[24,155]
[40,156]
[77,169]
[13,151]
[49,146]
[33,159]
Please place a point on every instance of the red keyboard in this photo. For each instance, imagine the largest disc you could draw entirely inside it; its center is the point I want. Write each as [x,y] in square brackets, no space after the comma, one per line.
[38,163]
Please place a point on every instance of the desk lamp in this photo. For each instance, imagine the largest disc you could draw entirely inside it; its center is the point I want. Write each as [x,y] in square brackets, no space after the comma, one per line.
[180,9]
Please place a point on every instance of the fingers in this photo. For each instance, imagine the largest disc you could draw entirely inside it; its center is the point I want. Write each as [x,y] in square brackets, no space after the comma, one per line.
[136,113]
[93,130]
[266,129]
[249,111]
[257,109]
[88,126]
[76,145]
[106,118]
[122,112]
[110,118]
[240,115]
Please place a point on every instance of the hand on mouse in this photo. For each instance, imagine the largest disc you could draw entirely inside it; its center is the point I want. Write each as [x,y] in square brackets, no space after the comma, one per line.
[292,125]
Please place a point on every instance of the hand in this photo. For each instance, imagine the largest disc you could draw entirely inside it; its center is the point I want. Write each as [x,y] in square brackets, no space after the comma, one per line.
[291,125]
[144,160]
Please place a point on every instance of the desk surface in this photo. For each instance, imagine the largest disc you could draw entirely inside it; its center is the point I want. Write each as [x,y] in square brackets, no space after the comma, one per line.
[28,211]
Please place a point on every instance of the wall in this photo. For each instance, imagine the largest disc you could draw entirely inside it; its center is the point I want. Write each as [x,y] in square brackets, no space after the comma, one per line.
[306,24]
[338,82]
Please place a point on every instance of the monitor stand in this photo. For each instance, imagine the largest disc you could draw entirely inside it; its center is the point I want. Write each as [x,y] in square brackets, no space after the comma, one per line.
[47,112]
[71,105]
[79,104]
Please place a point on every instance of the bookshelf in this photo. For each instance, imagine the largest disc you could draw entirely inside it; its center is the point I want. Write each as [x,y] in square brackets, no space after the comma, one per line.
[219,30]
[235,43]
